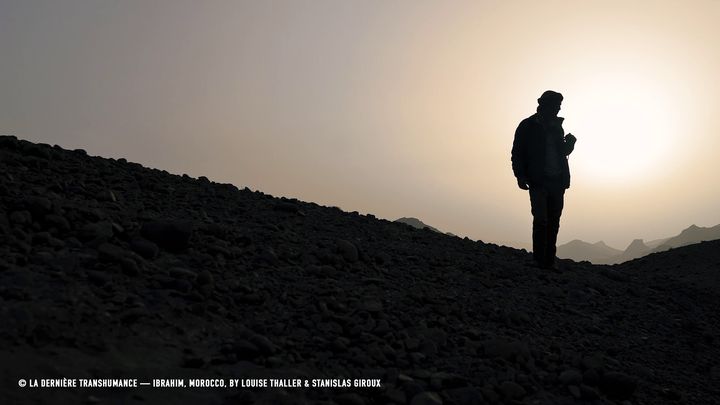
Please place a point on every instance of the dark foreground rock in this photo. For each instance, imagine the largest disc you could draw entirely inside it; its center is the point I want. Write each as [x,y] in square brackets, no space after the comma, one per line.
[112,270]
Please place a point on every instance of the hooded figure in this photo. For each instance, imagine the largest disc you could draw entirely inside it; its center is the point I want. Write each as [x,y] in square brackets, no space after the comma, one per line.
[540,164]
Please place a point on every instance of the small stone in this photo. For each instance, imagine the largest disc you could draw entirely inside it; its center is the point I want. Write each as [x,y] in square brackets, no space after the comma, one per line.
[205,277]
[348,250]
[106,195]
[671,394]
[173,236]
[465,396]
[245,350]
[107,252]
[512,390]
[286,206]
[509,350]
[183,273]
[38,206]
[373,306]
[269,256]
[133,314]
[426,398]
[593,362]
[129,266]
[618,385]
[20,217]
[587,392]
[98,231]
[412,388]
[98,277]
[41,238]
[145,248]
[591,377]
[396,396]
[489,394]
[263,344]
[442,380]
[349,399]
[193,362]
[570,377]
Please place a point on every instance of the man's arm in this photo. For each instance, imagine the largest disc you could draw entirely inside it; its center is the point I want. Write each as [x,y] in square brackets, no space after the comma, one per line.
[519,156]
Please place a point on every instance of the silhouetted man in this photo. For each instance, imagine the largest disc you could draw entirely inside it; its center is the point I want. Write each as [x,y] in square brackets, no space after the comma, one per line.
[539,162]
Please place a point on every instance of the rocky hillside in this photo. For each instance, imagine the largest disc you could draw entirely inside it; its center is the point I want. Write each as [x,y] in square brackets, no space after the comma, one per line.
[112,270]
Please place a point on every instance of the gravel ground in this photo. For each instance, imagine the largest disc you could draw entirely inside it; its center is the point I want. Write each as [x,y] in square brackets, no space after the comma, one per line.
[109,269]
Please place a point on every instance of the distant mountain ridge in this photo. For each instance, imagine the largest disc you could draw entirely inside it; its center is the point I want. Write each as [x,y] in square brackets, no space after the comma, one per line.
[579,250]
[416,223]
[600,253]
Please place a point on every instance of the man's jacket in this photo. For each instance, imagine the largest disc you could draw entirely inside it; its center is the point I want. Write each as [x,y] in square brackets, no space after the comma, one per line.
[530,148]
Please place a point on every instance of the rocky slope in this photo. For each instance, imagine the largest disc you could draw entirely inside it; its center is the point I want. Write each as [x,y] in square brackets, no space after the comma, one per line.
[109,270]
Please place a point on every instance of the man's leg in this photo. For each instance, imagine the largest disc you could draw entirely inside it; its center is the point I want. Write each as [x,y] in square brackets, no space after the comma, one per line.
[555,201]
[539,209]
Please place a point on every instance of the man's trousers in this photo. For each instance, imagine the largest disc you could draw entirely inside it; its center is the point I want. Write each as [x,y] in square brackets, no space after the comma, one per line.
[546,203]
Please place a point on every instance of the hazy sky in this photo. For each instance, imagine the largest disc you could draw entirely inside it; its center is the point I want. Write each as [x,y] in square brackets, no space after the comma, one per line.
[395,108]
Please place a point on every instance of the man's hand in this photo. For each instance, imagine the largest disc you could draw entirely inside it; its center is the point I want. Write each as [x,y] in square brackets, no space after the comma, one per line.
[569,145]
[523,184]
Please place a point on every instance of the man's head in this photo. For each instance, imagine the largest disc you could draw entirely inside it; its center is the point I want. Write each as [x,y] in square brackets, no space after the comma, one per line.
[549,103]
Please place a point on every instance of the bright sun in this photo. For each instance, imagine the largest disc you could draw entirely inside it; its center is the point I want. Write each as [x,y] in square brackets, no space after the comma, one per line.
[624,132]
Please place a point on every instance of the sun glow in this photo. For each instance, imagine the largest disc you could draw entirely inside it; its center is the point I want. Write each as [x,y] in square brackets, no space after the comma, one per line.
[624,132]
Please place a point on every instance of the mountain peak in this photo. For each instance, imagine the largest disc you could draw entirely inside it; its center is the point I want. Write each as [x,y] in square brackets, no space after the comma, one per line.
[637,242]
[416,223]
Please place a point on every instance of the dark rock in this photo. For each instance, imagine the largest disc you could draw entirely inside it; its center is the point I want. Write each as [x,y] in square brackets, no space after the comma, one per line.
[20,217]
[264,345]
[348,250]
[173,236]
[350,398]
[618,385]
[106,195]
[57,221]
[183,273]
[108,252]
[205,277]
[507,349]
[193,362]
[589,393]
[129,266]
[38,206]
[671,394]
[426,398]
[99,232]
[395,396]
[570,377]
[286,206]
[512,390]
[245,350]
[145,248]
[98,277]
[463,396]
